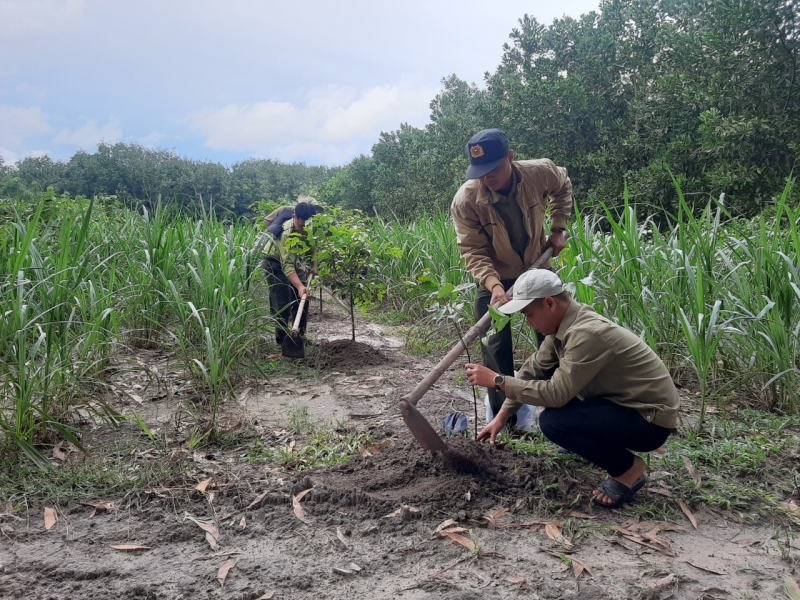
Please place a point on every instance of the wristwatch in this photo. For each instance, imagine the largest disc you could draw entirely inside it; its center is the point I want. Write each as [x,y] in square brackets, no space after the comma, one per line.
[499,380]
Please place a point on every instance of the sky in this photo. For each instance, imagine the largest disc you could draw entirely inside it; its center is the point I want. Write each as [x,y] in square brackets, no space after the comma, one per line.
[312,81]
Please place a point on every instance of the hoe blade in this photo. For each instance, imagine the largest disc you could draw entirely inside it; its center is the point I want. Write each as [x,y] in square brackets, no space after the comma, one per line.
[424,433]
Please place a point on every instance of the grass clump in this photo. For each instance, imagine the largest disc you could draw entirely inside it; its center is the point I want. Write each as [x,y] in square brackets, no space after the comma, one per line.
[312,446]
[115,472]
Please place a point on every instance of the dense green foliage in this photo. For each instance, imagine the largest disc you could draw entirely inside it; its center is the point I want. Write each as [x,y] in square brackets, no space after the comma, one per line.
[709,89]
[138,175]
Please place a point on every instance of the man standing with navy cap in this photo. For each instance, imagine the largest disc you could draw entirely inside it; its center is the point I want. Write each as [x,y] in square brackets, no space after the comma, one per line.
[499,216]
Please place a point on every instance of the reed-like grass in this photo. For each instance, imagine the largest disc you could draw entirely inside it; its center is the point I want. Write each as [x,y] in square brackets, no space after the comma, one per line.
[79,281]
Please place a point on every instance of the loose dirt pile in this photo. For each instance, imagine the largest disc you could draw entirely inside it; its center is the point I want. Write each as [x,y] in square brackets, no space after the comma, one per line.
[346,354]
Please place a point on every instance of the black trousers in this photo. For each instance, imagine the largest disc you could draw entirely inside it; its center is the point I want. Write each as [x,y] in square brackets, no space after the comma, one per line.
[602,432]
[283,299]
[498,352]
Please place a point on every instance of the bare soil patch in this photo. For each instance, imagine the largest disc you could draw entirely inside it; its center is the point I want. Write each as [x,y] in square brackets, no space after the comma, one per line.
[518,526]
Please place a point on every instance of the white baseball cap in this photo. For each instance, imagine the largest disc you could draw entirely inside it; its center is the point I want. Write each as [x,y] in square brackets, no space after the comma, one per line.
[532,285]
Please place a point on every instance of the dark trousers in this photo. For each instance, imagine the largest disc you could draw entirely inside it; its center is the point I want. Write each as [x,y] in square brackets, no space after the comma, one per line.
[283,299]
[498,352]
[602,432]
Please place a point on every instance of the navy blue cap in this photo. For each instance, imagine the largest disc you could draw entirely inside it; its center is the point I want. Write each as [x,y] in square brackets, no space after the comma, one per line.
[485,151]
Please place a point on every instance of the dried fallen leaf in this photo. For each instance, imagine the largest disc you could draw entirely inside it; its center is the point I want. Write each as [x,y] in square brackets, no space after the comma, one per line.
[207,527]
[791,588]
[257,502]
[404,512]
[58,451]
[299,511]
[515,580]
[222,574]
[100,507]
[342,539]
[584,566]
[459,539]
[302,494]
[364,452]
[692,471]
[201,487]
[662,583]
[243,524]
[50,518]
[661,491]
[688,514]
[130,548]
[554,533]
[579,515]
[749,542]
[444,525]
[493,517]
[267,596]
[212,541]
[456,530]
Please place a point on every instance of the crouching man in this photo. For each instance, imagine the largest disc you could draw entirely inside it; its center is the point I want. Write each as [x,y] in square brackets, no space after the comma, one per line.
[606,393]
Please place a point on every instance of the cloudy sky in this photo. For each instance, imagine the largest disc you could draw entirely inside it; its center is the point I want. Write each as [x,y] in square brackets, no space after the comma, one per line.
[223,80]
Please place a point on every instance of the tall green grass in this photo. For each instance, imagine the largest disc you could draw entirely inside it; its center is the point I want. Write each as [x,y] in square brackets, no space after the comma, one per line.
[81,282]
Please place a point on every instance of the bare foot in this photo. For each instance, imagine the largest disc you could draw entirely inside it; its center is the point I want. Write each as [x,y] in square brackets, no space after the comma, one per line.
[628,479]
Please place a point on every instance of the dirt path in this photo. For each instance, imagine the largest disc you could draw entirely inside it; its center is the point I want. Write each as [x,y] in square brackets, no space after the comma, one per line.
[520,528]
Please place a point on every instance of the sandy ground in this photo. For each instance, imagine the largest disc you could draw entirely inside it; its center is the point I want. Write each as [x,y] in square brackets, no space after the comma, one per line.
[514,526]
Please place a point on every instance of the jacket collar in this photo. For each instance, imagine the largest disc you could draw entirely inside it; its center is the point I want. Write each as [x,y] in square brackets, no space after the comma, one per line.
[485,196]
[569,318]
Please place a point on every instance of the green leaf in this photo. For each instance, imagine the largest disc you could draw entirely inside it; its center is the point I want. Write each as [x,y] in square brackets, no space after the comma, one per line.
[499,320]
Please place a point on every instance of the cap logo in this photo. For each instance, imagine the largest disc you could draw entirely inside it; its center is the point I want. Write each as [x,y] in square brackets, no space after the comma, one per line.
[476,151]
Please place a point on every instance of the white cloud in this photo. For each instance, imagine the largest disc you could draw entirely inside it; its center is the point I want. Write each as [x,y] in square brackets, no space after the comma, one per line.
[18,124]
[24,18]
[9,157]
[332,120]
[152,139]
[90,134]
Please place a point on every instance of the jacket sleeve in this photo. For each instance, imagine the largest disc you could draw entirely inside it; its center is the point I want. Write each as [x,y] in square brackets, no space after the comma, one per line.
[473,244]
[583,358]
[559,189]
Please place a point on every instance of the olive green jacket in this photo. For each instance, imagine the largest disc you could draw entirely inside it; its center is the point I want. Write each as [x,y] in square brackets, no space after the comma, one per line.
[482,236]
[276,248]
[592,357]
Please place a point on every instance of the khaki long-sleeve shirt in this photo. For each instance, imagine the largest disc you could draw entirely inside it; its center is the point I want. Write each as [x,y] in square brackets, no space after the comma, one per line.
[482,236]
[592,357]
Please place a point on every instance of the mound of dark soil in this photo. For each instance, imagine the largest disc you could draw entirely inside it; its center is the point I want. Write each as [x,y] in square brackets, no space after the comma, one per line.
[470,480]
[345,354]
